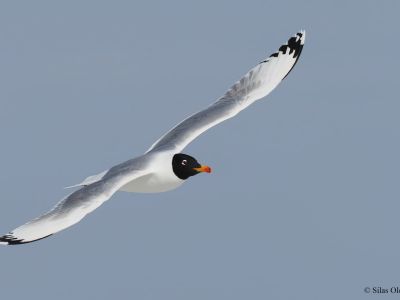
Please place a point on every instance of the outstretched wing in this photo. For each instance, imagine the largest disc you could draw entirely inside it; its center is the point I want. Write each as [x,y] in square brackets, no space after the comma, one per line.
[257,83]
[73,208]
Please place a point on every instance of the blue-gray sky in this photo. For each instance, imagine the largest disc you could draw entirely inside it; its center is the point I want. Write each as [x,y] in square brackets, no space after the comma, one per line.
[304,199]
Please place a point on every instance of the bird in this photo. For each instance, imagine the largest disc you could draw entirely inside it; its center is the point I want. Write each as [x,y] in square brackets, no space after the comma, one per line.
[163,166]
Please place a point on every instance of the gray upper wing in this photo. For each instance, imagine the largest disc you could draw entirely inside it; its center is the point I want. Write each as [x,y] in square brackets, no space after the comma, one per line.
[77,205]
[257,83]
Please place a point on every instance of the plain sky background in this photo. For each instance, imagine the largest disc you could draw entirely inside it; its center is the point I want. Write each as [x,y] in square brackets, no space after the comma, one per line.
[304,199]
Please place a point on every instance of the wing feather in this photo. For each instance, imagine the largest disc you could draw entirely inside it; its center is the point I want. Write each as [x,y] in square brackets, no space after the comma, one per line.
[73,208]
[256,84]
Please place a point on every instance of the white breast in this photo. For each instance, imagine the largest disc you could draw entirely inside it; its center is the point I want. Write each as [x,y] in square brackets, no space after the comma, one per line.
[161,179]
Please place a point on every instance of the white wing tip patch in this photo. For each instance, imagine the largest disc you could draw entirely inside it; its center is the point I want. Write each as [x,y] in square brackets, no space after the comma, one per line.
[302,35]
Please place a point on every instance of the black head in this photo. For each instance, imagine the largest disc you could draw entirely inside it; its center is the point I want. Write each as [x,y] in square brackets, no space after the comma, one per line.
[185,166]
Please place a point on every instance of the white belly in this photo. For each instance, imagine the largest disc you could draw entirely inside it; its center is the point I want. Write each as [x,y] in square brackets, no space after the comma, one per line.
[152,184]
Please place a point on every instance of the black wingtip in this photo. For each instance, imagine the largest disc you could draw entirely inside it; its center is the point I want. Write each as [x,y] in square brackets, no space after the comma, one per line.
[9,239]
[294,45]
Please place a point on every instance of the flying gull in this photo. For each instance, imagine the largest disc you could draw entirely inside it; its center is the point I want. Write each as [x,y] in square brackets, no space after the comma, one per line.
[163,167]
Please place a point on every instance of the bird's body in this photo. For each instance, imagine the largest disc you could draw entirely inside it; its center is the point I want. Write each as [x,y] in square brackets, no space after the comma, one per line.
[162,179]
[163,167]
[160,176]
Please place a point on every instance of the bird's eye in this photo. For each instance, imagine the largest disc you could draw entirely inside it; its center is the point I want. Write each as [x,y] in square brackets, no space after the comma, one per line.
[184,162]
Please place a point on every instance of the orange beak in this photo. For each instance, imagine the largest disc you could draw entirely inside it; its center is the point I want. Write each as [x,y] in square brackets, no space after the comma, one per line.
[206,169]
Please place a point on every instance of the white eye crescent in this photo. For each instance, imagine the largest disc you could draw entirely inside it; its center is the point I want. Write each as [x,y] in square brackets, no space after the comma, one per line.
[184,162]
